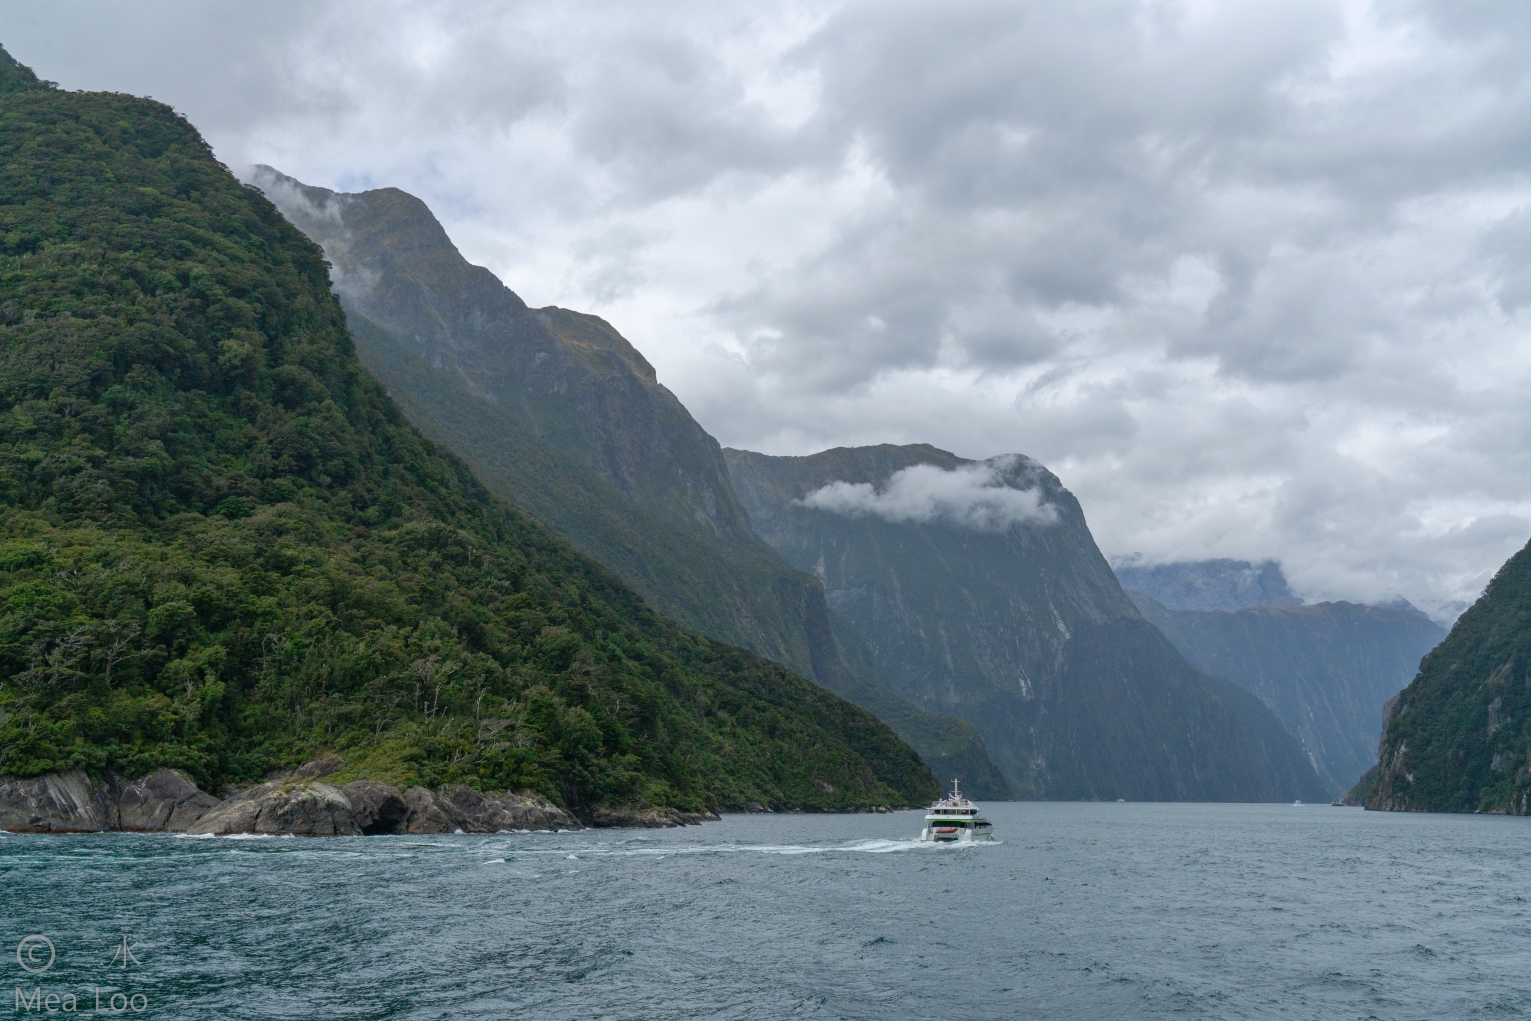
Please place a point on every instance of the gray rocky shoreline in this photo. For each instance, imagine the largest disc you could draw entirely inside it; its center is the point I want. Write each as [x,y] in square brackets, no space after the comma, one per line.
[300,803]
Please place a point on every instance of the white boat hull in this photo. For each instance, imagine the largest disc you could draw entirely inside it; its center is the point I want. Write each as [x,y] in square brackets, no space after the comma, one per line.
[962,836]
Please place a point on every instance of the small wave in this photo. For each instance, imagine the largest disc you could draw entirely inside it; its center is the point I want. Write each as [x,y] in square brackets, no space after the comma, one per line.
[871,846]
[865,846]
[194,836]
[874,846]
[258,836]
[885,846]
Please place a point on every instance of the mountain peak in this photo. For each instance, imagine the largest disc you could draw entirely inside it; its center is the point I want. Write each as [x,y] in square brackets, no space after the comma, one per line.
[202,478]
[980,592]
[1220,584]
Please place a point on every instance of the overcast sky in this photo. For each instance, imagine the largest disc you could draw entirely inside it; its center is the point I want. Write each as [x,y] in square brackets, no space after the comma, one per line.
[1254,279]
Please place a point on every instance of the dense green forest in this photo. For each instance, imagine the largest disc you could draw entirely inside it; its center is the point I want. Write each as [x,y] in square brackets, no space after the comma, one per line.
[556,412]
[1458,739]
[223,549]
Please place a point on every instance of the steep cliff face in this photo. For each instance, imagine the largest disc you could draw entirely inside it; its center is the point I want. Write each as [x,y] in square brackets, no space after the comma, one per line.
[223,549]
[980,592]
[557,412]
[1458,738]
[1325,669]
[570,378]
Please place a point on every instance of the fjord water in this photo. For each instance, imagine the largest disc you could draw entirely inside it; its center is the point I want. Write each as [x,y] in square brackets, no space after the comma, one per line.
[1078,911]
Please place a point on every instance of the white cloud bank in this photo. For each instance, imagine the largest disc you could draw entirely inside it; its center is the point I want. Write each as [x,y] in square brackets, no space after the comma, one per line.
[1253,277]
[973,496]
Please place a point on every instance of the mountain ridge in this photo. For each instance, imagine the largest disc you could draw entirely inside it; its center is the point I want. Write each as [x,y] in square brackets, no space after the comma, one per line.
[1205,585]
[1022,629]
[224,550]
[1458,737]
[1325,668]
[557,412]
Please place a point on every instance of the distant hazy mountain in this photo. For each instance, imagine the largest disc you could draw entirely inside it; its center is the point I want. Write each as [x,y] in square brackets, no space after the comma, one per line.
[556,411]
[980,592]
[1325,669]
[1207,584]
[1458,739]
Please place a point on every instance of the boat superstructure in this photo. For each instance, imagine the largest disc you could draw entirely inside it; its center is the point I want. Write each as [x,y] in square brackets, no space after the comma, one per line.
[954,817]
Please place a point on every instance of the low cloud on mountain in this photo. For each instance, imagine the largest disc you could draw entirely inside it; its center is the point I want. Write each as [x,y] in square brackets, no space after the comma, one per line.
[1252,276]
[973,496]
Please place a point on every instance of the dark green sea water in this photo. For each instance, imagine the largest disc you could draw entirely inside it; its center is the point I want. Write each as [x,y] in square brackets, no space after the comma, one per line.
[1081,911]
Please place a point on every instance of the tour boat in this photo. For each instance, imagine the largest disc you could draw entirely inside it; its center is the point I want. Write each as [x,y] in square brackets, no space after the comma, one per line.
[955,818]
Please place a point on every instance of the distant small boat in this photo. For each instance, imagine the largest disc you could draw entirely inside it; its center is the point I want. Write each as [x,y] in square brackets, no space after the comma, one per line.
[1297,804]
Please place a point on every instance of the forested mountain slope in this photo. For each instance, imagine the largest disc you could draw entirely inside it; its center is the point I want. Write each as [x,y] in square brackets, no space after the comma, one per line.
[1326,669]
[557,412]
[981,593]
[223,548]
[1458,738]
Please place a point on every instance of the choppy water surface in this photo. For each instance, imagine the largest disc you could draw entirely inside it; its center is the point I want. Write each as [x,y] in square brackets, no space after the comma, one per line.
[1081,911]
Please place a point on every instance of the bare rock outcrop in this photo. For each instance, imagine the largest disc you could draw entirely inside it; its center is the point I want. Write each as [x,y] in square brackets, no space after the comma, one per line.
[295,805]
[463,808]
[321,767]
[646,816]
[57,803]
[376,807]
[426,813]
[306,807]
[489,813]
[298,803]
[163,801]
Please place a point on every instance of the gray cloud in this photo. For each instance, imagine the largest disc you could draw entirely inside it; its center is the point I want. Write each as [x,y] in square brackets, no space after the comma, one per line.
[972,496]
[320,216]
[1251,277]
